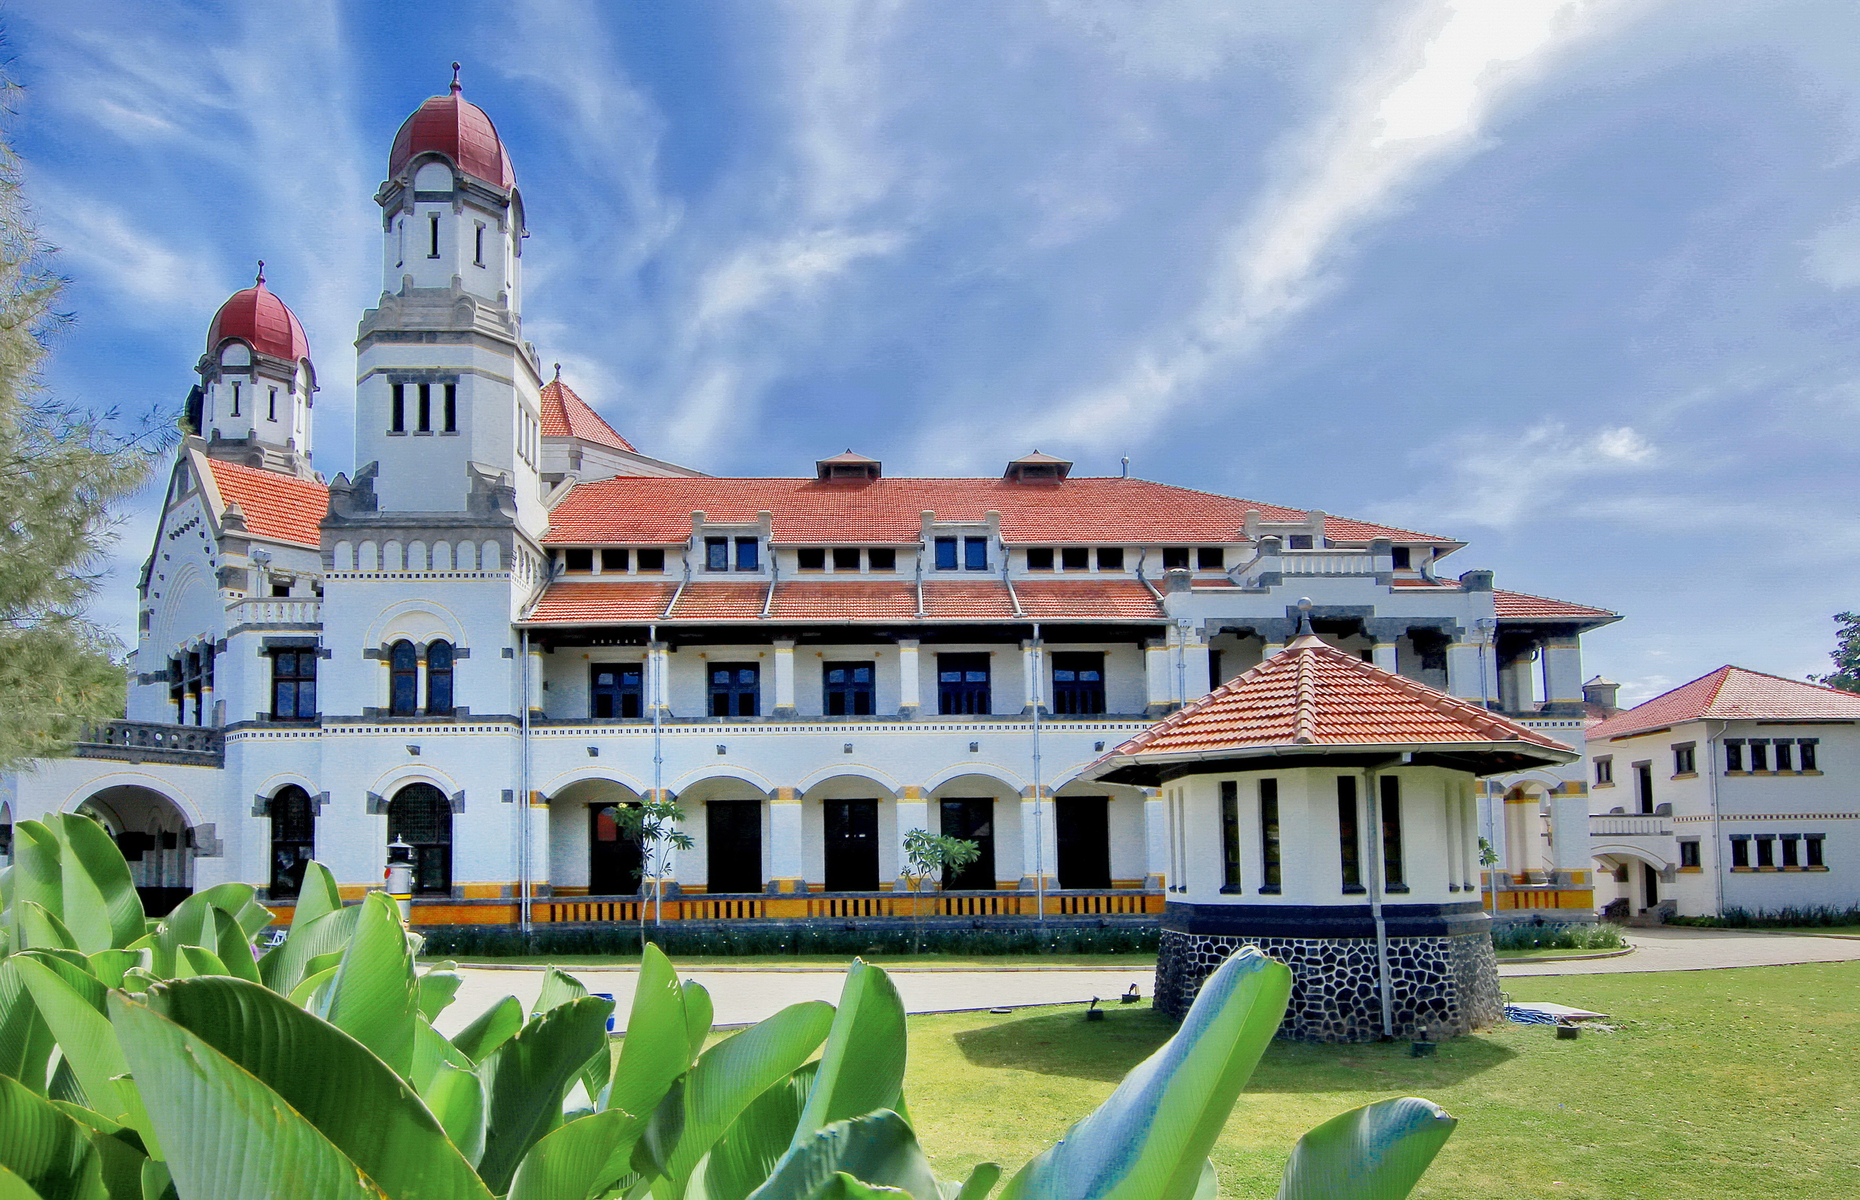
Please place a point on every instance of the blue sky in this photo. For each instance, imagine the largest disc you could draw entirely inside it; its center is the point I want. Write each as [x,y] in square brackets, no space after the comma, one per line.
[1574,282]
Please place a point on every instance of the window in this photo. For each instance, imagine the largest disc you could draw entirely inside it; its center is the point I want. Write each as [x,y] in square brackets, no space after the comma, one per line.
[1110,558]
[1790,854]
[190,678]
[1766,851]
[1075,558]
[1813,858]
[1349,839]
[615,690]
[235,411]
[403,680]
[1740,851]
[1689,855]
[421,816]
[716,554]
[881,558]
[651,561]
[451,410]
[1269,835]
[1210,558]
[1040,558]
[1734,754]
[1078,684]
[293,685]
[614,559]
[1759,754]
[1230,835]
[439,679]
[846,558]
[272,410]
[1685,759]
[1393,880]
[735,690]
[1643,785]
[477,250]
[848,689]
[397,408]
[1298,541]
[280,589]
[1807,748]
[972,820]
[1784,755]
[810,558]
[578,560]
[748,554]
[1175,558]
[962,684]
[432,235]
[1402,558]
[425,409]
[946,554]
[975,554]
[293,839]
[1605,771]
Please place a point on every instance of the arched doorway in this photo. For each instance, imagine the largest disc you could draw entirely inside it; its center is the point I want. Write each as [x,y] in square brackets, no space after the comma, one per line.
[421,816]
[1082,825]
[293,839]
[589,852]
[154,837]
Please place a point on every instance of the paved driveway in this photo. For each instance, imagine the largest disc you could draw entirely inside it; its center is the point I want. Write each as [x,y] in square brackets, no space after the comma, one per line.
[1673,948]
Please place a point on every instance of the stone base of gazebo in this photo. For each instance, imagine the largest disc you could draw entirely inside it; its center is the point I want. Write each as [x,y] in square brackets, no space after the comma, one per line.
[1444,983]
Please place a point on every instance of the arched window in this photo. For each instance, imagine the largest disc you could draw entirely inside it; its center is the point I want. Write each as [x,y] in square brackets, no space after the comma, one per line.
[421,816]
[439,679]
[293,839]
[403,680]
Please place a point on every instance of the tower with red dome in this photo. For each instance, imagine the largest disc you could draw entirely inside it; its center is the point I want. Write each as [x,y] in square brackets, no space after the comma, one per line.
[257,384]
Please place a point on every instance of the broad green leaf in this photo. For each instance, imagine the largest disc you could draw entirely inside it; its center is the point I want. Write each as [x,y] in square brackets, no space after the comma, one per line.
[308,994]
[743,1157]
[316,895]
[83,1034]
[862,1066]
[1208,1187]
[12,1187]
[46,1149]
[455,1095]
[224,1133]
[1149,1139]
[430,1051]
[37,874]
[982,1179]
[157,1182]
[657,1046]
[491,1029]
[120,1152]
[526,1077]
[558,988]
[235,952]
[328,1078]
[437,986]
[844,1187]
[109,965]
[104,872]
[699,1013]
[285,966]
[371,998]
[73,968]
[25,1041]
[198,960]
[580,1160]
[1376,1152]
[40,928]
[877,1149]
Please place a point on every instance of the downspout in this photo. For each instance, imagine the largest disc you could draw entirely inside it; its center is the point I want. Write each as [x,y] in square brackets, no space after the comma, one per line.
[1141,559]
[1039,817]
[523,781]
[768,601]
[1385,987]
[679,591]
[655,684]
[1717,833]
[920,586]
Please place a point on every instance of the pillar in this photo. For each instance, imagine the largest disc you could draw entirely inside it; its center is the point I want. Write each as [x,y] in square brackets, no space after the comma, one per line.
[1039,843]
[1472,671]
[1032,681]
[909,695]
[784,679]
[1451,829]
[913,810]
[785,845]
[1155,839]
[1195,672]
[1383,655]
[1563,671]
[1520,810]
[1469,839]
[1159,678]
[658,686]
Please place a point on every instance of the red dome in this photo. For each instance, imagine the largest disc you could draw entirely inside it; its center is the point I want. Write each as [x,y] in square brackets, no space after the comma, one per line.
[262,321]
[453,126]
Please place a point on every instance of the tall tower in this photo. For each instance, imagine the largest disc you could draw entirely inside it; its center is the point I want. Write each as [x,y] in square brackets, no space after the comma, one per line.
[256,384]
[447,400]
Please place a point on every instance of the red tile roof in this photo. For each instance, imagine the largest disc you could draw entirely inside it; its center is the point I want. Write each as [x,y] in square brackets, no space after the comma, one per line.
[1733,694]
[594,602]
[1518,606]
[564,414]
[851,600]
[281,507]
[1311,694]
[844,600]
[1087,600]
[657,511]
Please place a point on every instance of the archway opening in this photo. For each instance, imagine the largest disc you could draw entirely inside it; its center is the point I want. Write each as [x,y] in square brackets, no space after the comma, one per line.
[154,837]
[421,816]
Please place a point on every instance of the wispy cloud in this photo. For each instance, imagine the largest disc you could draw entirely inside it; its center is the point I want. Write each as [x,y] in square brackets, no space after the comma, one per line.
[1498,479]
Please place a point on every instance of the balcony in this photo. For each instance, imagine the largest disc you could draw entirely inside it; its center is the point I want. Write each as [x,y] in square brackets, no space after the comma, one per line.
[1296,564]
[269,612]
[1630,825]
[150,742]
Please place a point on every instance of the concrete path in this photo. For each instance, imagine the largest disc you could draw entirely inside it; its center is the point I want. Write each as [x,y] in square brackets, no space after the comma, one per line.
[744,997]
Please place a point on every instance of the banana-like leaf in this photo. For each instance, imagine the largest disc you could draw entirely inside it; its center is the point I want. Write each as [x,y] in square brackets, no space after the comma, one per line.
[40,928]
[198,960]
[981,1181]
[109,966]
[558,988]
[37,873]
[1208,1187]
[657,1046]
[490,1029]
[699,1013]
[235,952]
[224,1132]
[1376,1152]
[741,1160]
[285,966]
[316,895]
[12,1187]
[725,1079]
[372,996]
[456,1097]
[104,868]
[862,1067]
[1149,1139]
[579,1161]
[120,1152]
[877,1149]
[157,1181]
[328,1078]
[310,994]
[526,1077]
[844,1187]
[431,1050]
[51,1153]
[437,986]
[83,1035]
[25,1041]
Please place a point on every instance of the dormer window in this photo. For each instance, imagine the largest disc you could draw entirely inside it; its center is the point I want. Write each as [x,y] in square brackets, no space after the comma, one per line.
[849,466]
[1037,468]
[1040,558]
[717,554]
[1403,558]
[881,558]
[1210,558]
[810,558]
[1175,558]
[846,558]
[578,561]
[946,554]
[1110,558]
[1075,558]
[975,554]
[1298,541]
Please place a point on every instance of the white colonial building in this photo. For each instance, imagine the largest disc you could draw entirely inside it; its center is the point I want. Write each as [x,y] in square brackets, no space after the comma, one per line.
[507,620]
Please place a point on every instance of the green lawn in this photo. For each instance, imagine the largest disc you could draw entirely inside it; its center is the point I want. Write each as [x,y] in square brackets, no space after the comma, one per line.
[1726,1083]
[836,962]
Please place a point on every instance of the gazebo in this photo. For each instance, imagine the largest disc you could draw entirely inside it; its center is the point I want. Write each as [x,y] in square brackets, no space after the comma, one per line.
[1324,810]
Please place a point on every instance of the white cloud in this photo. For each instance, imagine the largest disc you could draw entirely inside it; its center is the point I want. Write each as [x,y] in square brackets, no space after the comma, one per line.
[786,270]
[1498,479]
[150,279]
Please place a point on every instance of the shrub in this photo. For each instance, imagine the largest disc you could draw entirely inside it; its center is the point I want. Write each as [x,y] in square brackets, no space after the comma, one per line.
[715,941]
[1814,916]
[1557,936]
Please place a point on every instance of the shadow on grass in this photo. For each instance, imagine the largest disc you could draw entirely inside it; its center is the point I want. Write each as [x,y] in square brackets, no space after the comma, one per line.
[1066,1044]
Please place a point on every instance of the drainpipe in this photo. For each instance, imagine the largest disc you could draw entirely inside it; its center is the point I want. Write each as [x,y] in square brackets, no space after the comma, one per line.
[523,780]
[1039,811]
[1712,740]
[655,684]
[1384,985]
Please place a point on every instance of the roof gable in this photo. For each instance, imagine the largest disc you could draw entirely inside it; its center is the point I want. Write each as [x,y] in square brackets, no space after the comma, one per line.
[1733,694]
[564,414]
[276,506]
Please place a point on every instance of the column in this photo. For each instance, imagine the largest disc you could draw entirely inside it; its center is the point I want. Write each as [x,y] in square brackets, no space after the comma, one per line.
[1563,671]
[1032,683]
[784,679]
[1383,655]
[1469,839]
[1159,678]
[1472,671]
[1194,680]
[1155,839]
[913,813]
[1520,810]
[658,687]
[1451,830]
[663,856]
[909,696]
[1039,844]
[785,847]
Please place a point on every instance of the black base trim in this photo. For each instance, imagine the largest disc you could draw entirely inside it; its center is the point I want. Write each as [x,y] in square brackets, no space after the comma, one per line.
[1324,920]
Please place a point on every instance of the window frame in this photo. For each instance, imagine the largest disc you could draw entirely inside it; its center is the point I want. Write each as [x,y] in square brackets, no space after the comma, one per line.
[945,552]
[650,560]
[716,554]
[622,693]
[292,833]
[881,559]
[1075,558]
[295,678]
[975,554]
[1075,697]
[449,403]
[1685,759]
[965,697]
[1039,558]
[440,657]
[1210,558]
[1350,836]
[1175,558]
[1230,836]
[1807,756]
[1689,854]
[1110,558]
[1604,770]
[853,698]
[403,669]
[1394,876]
[616,560]
[1271,847]
[748,554]
[737,694]
[810,559]
[847,560]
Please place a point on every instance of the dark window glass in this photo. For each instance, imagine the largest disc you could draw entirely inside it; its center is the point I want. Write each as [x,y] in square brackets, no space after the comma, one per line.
[293,685]
[1349,839]
[1075,558]
[748,554]
[735,690]
[810,558]
[1759,756]
[280,590]
[1808,754]
[1683,761]
[975,554]
[1175,558]
[578,560]
[1083,828]
[846,558]
[962,684]
[397,408]
[432,226]
[452,404]
[1766,852]
[1269,834]
[1230,835]
[848,689]
[1110,558]
[1814,853]
[235,410]
[1393,879]
[1210,558]
[615,690]
[1040,558]
[1790,856]
[1403,558]
[421,816]
[850,845]
[403,680]
[477,252]
[946,554]
[1740,852]
[881,558]
[972,821]
[1604,770]
[716,554]
[271,412]
[1078,683]
[733,836]
[293,839]
[1688,854]
[1298,541]
[439,679]
[1733,756]
[614,559]
[1784,759]
[1643,784]
[426,408]
[177,690]
[651,561]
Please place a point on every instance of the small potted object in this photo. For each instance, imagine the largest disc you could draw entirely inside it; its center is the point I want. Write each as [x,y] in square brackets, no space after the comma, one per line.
[1094,1013]
[1133,996]
[1567,1031]
[1424,1045]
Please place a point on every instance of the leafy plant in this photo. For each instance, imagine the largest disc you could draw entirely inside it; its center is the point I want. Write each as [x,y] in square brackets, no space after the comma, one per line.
[654,824]
[929,856]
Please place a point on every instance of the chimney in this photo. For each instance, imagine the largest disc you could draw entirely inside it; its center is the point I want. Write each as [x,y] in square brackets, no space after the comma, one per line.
[1601,693]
